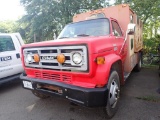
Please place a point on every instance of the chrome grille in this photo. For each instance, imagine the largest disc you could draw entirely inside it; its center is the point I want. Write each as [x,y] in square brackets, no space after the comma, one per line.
[50,54]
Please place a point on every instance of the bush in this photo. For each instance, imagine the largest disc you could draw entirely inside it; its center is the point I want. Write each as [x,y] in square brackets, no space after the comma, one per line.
[150,45]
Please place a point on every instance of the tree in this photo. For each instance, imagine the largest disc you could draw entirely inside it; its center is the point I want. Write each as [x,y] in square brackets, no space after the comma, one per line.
[146,8]
[46,17]
[8,26]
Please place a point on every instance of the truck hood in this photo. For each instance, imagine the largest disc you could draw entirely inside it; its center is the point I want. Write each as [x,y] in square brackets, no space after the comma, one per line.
[94,44]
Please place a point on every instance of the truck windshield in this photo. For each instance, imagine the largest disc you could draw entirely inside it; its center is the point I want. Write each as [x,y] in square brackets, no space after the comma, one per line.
[94,27]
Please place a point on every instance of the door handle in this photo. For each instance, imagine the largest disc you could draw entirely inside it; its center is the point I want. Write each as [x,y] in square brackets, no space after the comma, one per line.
[18,55]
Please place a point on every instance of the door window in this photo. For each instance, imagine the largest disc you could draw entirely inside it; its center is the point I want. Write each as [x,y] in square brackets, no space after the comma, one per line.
[6,44]
[116,29]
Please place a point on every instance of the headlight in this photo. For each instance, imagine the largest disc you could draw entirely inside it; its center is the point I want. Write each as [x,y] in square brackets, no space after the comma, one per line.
[28,58]
[77,58]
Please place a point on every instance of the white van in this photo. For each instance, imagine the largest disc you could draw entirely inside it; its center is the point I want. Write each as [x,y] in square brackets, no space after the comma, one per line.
[10,59]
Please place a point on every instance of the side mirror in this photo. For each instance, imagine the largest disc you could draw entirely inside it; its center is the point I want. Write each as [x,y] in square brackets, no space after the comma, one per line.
[131,29]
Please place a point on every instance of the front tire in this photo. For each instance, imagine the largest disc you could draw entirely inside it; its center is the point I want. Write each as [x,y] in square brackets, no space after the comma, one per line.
[39,95]
[113,94]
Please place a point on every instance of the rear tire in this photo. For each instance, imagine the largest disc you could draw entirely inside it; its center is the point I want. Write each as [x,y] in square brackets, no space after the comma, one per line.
[39,95]
[139,64]
[113,94]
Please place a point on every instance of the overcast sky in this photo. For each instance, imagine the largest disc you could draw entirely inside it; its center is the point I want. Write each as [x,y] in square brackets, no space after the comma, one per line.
[10,9]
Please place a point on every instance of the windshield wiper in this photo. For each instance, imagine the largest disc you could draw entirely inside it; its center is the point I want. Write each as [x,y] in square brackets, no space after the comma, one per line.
[63,37]
[83,35]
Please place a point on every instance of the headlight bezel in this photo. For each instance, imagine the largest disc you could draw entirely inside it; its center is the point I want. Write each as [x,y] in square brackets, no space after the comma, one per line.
[72,59]
[28,58]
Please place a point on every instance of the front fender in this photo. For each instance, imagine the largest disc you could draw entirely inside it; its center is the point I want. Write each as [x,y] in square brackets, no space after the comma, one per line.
[103,71]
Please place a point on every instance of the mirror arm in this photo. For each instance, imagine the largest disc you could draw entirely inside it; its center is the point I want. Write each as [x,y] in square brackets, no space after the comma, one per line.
[124,42]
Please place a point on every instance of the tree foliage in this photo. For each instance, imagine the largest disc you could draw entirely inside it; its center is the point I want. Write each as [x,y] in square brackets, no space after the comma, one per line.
[8,26]
[146,9]
[46,17]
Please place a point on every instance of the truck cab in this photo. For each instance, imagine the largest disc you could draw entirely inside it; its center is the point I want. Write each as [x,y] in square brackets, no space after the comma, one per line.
[10,60]
[89,61]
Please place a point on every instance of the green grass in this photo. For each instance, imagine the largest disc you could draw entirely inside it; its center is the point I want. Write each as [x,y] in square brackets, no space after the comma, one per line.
[149,98]
[150,66]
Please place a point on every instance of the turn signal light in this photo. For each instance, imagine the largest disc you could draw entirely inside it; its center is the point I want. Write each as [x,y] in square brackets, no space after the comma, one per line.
[61,58]
[100,60]
[36,58]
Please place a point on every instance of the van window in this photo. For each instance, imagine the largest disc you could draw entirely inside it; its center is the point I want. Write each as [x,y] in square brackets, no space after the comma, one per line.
[6,44]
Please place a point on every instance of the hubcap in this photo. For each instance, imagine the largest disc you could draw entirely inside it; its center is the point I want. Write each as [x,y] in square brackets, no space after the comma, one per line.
[113,94]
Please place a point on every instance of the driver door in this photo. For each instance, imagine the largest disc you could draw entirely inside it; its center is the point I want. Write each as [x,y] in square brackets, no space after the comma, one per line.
[118,40]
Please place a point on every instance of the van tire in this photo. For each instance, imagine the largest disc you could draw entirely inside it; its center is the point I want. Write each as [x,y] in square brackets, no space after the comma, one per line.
[39,95]
[113,95]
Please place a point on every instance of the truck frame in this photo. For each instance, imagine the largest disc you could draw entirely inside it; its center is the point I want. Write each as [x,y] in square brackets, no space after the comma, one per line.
[90,59]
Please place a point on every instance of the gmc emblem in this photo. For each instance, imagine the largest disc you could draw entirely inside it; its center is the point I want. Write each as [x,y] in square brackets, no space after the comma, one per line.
[48,57]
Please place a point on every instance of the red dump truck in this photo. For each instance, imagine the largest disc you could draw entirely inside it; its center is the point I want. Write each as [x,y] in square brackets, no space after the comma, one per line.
[89,60]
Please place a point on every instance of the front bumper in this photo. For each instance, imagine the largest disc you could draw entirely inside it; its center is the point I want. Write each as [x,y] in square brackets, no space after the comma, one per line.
[89,97]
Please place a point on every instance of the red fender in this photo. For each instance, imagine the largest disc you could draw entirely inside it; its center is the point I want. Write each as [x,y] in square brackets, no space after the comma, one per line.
[103,71]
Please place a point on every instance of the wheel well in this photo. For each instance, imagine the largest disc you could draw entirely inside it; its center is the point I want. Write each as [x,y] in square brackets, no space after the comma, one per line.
[118,67]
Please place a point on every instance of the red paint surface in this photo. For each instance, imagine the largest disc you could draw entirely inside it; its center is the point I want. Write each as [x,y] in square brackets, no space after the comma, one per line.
[97,46]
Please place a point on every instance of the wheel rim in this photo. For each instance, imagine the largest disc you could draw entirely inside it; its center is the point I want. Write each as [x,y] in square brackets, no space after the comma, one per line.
[113,94]
[140,63]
